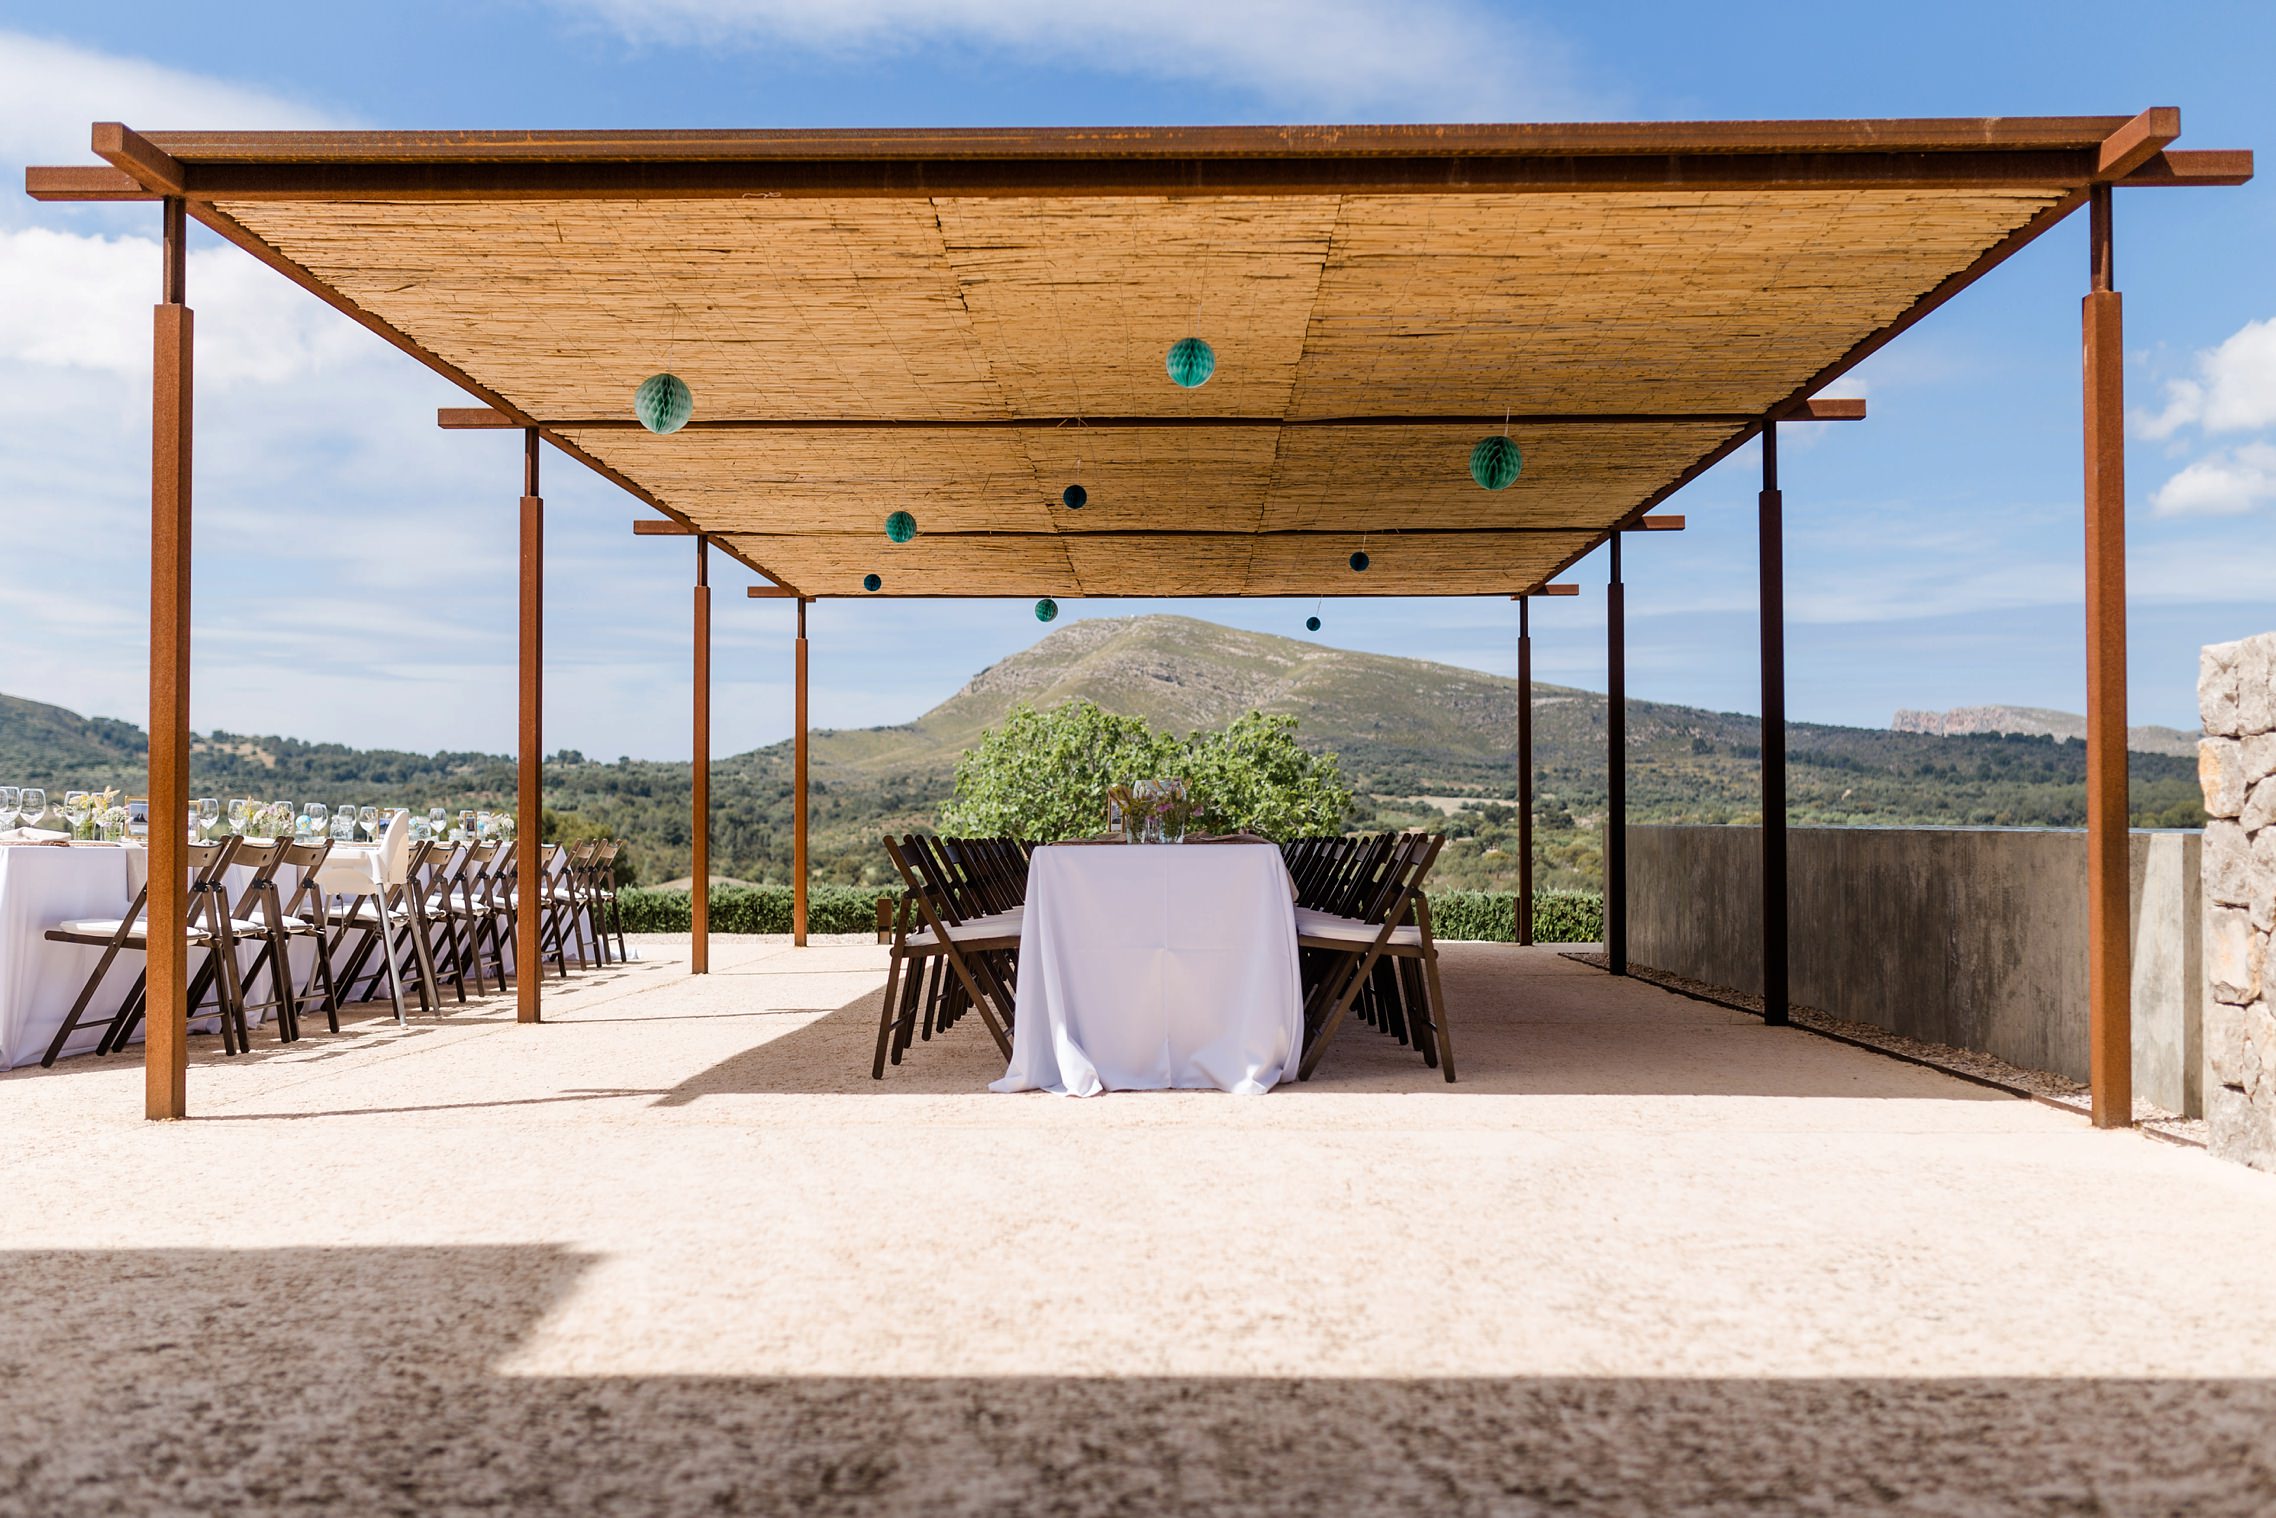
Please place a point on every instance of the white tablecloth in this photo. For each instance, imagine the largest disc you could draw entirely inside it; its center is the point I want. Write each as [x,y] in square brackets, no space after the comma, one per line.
[1145,968]
[40,887]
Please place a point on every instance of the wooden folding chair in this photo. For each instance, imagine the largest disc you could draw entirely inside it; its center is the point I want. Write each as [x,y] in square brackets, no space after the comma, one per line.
[1395,923]
[206,922]
[932,926]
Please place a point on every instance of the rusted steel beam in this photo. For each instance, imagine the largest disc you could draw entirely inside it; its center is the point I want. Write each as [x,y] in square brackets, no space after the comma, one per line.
[649,528]
[771,593]
[133,154]
[1524,924]
[1616,767]
[1829,408]
[478,418]
[2212,167]
[2110,1040]
[84,182]
[165,1050]
[798,764]
[1666,522]
[2137,142]
[699,884]
[1548,590]
[1770,541]
[529,759]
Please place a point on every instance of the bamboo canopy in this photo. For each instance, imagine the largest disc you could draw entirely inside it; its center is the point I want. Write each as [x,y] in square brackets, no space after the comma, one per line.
[962,324]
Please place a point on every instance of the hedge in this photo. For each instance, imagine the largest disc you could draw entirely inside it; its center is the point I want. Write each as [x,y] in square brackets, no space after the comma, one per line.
[1558,916]
[753,909]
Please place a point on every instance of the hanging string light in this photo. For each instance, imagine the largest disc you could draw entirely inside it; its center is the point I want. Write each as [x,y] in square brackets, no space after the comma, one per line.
[900,527]
[1046,609]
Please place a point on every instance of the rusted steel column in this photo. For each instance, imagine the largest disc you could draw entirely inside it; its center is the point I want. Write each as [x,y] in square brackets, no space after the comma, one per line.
[798,793]
[529,804]
[1770,538]
[1524,770]
[165,1049]
[2110,1024]
[1616,769]
[699,891]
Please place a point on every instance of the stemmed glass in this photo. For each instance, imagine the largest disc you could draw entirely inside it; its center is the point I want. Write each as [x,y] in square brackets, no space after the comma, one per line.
[318,814]
[438,821]
[367,818]
[209,812]
[35,806]
[239,808]
[10,797]
[75,810]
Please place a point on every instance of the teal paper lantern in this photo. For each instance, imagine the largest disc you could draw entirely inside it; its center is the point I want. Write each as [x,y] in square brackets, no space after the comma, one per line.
[1046,609]
[871,582]
[1311,624]
[1359,562]
[1191,363]
[1494,463]
[1073,497]
[900,527]
[663,403]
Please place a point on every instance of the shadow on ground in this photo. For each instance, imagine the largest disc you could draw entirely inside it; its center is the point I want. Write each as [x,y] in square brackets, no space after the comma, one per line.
[1525,1022]
[369,1381]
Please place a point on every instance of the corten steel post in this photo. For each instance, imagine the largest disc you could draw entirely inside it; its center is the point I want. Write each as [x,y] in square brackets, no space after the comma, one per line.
[1770,538]
[2110,1038]
[165,1049]
[529,962]
[1616,770]
[1524,770]
[699,898]
[798,792]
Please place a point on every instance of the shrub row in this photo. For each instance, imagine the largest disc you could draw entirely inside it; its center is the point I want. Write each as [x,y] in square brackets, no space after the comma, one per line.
[1491,916]
[752,909]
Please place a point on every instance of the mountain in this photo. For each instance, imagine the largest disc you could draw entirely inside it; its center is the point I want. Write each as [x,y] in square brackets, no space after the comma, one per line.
[1420,742]
[2038,721]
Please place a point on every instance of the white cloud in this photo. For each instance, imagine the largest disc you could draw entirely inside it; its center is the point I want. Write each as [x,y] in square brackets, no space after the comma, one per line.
[2234,391]
[1430,59]
[51,92]
[2226,484]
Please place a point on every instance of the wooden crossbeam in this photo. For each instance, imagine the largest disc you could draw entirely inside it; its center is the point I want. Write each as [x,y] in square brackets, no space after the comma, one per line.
[1664,522]
[650,528]
[770,593]
[1824,408]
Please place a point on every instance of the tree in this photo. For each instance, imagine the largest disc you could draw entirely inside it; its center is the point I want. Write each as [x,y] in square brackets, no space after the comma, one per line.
[1044,775]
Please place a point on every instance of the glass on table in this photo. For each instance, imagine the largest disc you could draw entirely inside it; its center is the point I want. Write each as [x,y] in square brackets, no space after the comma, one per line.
[75,810]
[10,798]
[209,812]
[367,818]
[238,807]
[438,821]
[319,816]
[485,823]
[34,806]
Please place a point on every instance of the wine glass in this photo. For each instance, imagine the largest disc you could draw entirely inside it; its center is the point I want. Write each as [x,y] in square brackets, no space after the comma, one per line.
[10,796]
[238,807]
[75,810]
[209,812]
[438,821]
[318,816]
[367,818]
[35,806]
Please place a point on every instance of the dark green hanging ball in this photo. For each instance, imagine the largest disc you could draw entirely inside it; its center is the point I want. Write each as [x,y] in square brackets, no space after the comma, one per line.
[1494,463]
[871,582]
[1359,562]
[900,527]
[663,403]
[1046,609]
[1073,497]
[1191,362]
[1311,624]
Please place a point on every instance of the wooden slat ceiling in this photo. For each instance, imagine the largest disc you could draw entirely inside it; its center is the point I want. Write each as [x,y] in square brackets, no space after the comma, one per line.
[996,308]
[961,323]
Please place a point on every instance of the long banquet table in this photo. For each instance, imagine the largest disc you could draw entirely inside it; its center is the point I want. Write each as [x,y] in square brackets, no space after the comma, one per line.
[1155,968]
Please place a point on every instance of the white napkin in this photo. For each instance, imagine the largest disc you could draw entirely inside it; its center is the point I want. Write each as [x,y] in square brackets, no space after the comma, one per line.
[34,835]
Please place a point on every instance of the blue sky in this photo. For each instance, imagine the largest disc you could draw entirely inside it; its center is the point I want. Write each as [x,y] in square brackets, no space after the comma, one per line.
[355,565]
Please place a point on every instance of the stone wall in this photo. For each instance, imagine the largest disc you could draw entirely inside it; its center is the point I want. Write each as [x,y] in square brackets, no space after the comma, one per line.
[2236,691]
[1972,937]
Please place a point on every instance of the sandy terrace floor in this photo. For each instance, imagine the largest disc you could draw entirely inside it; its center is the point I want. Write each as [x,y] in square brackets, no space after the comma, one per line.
[675,1253]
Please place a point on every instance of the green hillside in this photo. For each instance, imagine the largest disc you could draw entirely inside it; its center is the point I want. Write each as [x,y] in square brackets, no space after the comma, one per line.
[1421,742]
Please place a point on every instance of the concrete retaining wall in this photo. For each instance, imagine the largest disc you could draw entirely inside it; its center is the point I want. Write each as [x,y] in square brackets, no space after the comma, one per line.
[1974,937]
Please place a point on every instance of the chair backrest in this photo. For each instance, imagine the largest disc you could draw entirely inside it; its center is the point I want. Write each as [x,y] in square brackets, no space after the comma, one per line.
[395,848]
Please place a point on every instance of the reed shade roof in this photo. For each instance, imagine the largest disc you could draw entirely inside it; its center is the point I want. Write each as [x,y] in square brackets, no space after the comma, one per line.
[1694,311]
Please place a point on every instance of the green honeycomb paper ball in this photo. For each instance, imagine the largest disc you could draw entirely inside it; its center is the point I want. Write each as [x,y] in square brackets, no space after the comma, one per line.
[1311,624]
[1046,609]
[1494,463]
[871,582]
[1359,562]
[1191,362]
[900,527]
[1073,497]
[663,403]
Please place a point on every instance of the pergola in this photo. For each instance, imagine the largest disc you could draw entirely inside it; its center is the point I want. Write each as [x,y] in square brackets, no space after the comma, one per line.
[960,324]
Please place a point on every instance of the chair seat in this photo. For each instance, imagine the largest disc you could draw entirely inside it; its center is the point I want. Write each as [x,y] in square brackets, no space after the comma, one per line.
[1004,926]
[104,929]
[1326,930]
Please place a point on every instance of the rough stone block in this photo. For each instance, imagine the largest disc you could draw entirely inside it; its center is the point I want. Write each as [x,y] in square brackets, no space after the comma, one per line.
[2256,684]
[2259,807]
[2235,952]
[2228,864]
[2229,1042]
[2263,902]
[2220,774]
[2259,757]
[2216,689]
[2239,1127]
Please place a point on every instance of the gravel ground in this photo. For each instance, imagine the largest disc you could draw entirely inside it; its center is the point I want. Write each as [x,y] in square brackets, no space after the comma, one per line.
[674,1252]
